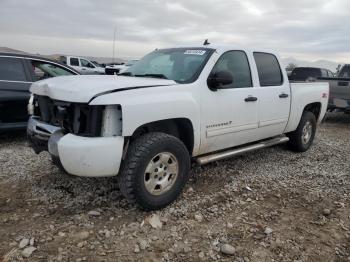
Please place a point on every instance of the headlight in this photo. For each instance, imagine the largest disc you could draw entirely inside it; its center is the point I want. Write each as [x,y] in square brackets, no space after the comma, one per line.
[112,121]
[30,106]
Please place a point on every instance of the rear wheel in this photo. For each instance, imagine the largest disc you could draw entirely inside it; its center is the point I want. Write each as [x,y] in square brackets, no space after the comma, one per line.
[302,138]
[155,171]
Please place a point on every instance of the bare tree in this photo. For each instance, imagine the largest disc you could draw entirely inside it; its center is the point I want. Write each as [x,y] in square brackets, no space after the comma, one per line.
[291,66]
[338,69]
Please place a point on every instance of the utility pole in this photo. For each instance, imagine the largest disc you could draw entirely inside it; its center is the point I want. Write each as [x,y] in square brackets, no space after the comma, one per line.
[114,35]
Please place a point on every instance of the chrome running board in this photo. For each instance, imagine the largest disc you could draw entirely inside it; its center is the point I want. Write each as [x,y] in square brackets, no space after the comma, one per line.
[202,160]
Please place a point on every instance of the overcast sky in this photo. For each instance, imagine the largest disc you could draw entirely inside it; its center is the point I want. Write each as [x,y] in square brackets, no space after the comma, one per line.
[304,29]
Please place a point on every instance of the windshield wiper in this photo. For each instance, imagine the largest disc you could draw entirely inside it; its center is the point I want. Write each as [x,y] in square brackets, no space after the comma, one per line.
[153,75]
[125,74]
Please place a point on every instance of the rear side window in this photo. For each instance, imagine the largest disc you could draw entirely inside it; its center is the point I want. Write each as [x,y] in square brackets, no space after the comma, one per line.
[269,70]
[12,69]
[74,61]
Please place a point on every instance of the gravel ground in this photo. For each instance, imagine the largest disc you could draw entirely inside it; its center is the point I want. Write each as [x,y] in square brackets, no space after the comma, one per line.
[270,205]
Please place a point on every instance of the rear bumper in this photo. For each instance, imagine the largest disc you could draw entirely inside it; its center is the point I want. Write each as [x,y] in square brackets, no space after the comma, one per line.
[80,156]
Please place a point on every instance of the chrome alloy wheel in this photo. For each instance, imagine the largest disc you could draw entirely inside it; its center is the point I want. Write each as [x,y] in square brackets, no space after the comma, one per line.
[161,173]
[307,132]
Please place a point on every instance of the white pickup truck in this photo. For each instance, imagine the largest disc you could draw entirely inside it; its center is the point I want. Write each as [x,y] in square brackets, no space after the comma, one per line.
[175,105]
[82,65]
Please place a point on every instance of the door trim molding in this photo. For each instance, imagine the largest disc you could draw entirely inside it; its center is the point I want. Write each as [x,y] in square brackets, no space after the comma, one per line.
[233,129]
[273,122]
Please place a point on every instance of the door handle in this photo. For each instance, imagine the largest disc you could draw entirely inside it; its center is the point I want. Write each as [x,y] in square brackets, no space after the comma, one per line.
[251,99]
[283,95]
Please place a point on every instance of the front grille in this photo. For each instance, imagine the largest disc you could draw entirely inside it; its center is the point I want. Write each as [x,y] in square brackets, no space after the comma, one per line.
[76,118]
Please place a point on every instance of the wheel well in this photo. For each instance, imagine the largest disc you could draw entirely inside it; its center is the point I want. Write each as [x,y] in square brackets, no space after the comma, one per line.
[179,127]
[314,108]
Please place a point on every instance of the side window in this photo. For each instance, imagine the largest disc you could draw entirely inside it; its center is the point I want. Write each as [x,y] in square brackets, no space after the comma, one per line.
[43,70]
[12,69]
[330,74]
[74,61]
[236,63]
[85,63]
[269,70]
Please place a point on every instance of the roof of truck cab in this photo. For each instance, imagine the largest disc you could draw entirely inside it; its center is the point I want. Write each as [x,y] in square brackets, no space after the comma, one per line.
[225,47]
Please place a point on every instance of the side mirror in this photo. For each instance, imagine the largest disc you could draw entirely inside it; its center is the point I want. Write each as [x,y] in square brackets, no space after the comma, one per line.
[219,79]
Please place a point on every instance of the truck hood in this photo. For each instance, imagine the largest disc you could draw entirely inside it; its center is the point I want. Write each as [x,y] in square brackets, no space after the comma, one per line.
[83,88]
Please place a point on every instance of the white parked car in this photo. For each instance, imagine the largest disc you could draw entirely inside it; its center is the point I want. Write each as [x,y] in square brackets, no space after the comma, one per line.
[115,69]
[174,106]
[83,65]
[127,65]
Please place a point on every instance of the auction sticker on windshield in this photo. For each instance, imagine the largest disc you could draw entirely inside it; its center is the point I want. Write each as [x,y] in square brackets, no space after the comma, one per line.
[194,52]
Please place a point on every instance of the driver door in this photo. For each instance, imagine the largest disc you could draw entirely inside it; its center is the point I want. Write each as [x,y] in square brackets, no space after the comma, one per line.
[230,114]
[87,67]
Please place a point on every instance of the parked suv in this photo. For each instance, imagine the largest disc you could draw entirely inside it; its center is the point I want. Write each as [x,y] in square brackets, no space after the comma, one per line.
[309,74]
[17,73]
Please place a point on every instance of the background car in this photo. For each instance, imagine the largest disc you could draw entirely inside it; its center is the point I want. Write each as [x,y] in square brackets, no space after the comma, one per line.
[82,65]
[128,64]
[309,74]
[113,68]
[17,73]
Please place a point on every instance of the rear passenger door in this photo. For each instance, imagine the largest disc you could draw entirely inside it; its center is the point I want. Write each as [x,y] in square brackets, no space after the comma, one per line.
[274,95]
[14,90]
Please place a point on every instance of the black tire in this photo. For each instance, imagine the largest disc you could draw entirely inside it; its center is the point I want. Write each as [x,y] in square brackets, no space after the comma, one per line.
[296,141]
[56,161]
[139,156]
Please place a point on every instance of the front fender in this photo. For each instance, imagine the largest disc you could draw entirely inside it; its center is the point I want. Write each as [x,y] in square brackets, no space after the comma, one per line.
[143,106]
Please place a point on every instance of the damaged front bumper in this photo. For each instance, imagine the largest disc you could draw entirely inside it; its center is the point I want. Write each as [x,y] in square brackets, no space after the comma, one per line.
[79,155]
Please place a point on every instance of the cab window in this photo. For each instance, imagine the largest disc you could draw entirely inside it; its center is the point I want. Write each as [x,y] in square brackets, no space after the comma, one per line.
[85,63]
[74,61]
[269,70]
[236,63]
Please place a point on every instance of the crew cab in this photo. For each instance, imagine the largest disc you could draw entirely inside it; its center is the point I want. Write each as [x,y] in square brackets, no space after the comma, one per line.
[17,73]
[82,65]
[174,106]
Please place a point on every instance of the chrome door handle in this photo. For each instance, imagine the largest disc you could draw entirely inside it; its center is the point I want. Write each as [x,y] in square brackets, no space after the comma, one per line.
[283,95]
[251,99]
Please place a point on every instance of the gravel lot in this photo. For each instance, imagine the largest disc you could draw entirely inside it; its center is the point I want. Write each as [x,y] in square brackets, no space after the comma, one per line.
[270,205]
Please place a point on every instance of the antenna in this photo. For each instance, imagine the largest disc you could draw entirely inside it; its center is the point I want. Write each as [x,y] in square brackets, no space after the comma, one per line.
[114,35]
[206,42]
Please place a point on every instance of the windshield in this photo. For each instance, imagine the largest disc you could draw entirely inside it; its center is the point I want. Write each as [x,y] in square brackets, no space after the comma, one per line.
[345,71]
[182,65]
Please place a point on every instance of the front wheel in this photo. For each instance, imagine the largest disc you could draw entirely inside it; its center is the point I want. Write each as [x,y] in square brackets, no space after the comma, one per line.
[302,138]
[155,170]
